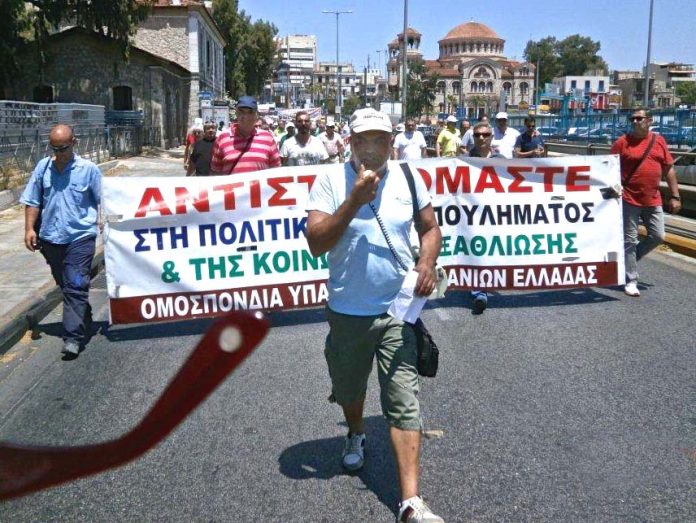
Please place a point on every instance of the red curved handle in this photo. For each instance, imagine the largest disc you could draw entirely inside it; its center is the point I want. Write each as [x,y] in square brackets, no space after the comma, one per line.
[230,340]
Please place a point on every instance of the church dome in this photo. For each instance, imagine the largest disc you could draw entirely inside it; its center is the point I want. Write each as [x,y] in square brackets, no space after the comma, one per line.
[471,30]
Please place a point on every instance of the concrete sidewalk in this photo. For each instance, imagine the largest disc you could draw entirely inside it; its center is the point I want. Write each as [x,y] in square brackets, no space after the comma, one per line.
[28,290]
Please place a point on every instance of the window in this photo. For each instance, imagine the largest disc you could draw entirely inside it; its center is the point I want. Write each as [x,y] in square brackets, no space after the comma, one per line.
[507,87]
[43,94]
[474,87]
[601,86]
[123,98]
[573,84]
[587,86]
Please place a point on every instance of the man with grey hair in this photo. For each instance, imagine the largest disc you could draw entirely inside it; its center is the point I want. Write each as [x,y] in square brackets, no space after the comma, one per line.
[410,144]
[350,217]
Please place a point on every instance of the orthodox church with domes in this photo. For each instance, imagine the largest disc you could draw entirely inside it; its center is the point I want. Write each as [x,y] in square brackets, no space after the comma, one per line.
[473,72]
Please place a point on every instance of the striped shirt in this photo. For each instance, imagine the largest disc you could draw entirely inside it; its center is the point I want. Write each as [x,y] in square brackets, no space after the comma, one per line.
[262,152]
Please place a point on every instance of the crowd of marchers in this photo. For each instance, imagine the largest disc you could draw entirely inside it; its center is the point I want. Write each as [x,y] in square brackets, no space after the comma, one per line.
[355,216]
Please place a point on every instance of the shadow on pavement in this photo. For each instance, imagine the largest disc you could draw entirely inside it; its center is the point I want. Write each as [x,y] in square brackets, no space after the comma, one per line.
[321,459]
[518,299]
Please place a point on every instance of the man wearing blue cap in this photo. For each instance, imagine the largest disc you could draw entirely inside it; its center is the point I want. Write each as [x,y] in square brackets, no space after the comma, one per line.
[245,148]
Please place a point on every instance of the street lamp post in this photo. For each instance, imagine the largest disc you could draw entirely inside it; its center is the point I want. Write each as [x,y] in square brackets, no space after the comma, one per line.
[338,67]
[404,64]
[646,90]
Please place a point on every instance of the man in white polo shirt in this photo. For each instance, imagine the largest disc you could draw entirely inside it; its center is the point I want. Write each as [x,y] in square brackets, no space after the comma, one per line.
[410,145]
[504,137]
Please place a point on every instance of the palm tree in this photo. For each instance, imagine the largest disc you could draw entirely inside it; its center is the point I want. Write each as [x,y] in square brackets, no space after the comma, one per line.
[452,101]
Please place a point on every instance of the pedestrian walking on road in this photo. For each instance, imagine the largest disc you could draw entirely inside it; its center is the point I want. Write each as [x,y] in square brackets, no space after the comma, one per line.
[448,141]
[504,137]
[645,160]
[410,144]
[202,153]
[303,148]
[243,148]
[364,279]
[332,142]
[482,135]
[63,193]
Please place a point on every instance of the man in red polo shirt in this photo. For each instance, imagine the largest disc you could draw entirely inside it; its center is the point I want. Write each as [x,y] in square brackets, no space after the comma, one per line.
[244,148]
[640,177]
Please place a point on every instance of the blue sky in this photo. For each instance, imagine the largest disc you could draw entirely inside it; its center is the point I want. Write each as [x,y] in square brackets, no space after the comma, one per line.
[621,26]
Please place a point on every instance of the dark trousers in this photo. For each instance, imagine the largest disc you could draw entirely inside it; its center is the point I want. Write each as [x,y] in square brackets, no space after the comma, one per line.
[70,266]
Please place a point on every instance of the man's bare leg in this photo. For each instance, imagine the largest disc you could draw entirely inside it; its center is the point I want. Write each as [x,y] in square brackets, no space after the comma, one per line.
[354,416]
[406,445]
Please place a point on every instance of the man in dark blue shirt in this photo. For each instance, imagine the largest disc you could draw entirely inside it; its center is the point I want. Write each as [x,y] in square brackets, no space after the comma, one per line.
[529,144]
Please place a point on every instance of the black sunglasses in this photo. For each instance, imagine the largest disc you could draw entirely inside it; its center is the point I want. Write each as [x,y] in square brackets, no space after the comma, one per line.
[637,118]
[61,148]
[480,135]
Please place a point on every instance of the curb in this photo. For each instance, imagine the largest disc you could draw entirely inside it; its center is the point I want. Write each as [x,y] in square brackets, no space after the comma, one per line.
[26,315]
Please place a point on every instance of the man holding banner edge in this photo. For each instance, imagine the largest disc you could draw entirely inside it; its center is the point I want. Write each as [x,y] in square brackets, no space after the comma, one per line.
[364,279]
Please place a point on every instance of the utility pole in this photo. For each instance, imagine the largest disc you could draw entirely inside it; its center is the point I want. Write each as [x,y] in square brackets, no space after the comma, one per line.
[338,67]
[536,83]
[404,65]
[646,93]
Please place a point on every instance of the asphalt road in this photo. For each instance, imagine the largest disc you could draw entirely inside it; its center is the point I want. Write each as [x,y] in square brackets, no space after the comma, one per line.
[554,406]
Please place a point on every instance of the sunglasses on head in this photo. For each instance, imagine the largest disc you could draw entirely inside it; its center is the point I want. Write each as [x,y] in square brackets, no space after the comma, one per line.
[637,118]
[481,135]
[60,148]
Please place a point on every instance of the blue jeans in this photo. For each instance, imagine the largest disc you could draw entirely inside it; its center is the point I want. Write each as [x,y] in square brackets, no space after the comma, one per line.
[70,266]
[654,221]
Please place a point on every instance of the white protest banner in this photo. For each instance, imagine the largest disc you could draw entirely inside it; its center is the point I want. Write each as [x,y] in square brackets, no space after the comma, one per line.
[178,248]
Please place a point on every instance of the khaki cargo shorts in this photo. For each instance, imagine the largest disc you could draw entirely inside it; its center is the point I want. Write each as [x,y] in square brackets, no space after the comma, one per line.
[352,344]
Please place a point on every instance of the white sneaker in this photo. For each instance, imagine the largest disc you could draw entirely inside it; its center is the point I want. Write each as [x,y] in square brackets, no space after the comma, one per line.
[354,452]
[414,510]
[631,289]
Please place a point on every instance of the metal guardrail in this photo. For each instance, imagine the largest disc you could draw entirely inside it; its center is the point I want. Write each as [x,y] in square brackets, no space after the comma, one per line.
[21,150]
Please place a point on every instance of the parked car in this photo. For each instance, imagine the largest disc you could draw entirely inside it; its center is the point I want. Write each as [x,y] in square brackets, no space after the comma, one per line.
[548,132]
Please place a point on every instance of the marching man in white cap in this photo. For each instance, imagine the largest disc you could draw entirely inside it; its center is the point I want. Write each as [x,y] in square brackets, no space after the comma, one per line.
[349,217]
[448,141]
[504,137]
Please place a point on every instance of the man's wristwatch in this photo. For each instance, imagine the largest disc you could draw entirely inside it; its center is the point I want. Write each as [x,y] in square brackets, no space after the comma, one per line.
[675,198]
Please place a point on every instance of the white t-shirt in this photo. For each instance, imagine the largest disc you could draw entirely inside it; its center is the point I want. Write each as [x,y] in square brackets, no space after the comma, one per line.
[311,153]
[364,277]
[468,139]
[331,145]
[504,143]
[410,148]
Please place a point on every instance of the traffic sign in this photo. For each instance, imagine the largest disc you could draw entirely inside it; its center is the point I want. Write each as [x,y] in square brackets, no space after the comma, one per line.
[205,95]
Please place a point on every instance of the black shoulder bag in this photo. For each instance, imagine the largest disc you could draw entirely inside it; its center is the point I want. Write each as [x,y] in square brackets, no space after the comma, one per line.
[428,353]
[37,223]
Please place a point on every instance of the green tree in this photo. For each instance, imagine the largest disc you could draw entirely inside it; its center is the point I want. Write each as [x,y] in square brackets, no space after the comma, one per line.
[573,55]
[250,54]
[686,91]
[12,23]
[578,54]
[351,103]
[117,19]
[421,89]
[543,52]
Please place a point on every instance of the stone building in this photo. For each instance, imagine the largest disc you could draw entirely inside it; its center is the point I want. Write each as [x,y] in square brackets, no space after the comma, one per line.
[176,53]
[474,75]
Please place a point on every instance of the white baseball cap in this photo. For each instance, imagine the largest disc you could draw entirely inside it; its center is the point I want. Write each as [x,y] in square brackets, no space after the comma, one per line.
[369,120]
[501,116]
[451,119]
[400,127]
